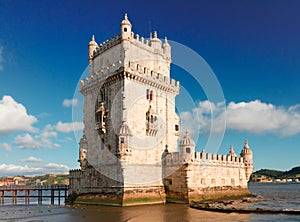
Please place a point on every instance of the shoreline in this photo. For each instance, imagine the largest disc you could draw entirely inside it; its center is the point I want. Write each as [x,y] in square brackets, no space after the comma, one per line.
[238,205]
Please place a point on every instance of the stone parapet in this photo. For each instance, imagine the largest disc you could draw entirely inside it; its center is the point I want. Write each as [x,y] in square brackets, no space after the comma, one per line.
[133,71]
[109,43]
[204,158]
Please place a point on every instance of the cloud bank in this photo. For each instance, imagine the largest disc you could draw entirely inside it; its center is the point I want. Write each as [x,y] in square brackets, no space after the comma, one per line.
[12,169]
[255,117]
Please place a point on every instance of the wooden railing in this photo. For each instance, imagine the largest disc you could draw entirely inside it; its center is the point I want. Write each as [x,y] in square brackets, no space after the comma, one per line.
[13,192]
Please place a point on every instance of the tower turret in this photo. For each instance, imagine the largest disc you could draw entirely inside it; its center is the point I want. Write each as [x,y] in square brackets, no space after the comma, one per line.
[167,48]
[124,136]
[83,145]
[231,153]
[187,147]
[92,47]
[155,43]
[246,153]
[126,28]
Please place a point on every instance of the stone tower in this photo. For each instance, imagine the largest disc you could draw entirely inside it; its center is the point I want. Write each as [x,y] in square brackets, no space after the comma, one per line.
[129,112]
[129,151]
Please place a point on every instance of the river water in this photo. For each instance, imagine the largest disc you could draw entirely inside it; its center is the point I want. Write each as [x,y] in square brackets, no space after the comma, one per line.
[275,196]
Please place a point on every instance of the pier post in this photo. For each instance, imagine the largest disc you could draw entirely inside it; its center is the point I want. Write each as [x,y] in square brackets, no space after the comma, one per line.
[27,196]
[14,195]
[52,195]
[40,196]
[58,195]
[66,188]
[2,196]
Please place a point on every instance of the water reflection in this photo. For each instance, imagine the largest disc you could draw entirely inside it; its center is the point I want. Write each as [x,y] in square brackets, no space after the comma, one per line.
[150,213]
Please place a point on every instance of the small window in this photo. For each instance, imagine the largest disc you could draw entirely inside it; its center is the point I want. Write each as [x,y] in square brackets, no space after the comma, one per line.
[151,95]
[202,181]
[188,150]
[169,182]
[122,139]
[176,127]
[232,182]
[213,181]
[223,181]
[147,94]
[125,29]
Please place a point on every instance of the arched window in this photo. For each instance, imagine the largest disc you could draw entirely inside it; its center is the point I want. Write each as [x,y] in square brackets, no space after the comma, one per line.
[188,150]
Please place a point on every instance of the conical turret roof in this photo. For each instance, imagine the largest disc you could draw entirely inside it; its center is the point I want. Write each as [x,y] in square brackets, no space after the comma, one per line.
[231,151]
[126,21]
[246,149]
[124,130]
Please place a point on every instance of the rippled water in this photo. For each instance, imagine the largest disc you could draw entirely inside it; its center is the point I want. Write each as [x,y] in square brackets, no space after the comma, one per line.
[277,196]
[270,196]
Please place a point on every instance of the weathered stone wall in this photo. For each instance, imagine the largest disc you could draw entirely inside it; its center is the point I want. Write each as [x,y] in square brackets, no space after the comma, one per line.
[204,175]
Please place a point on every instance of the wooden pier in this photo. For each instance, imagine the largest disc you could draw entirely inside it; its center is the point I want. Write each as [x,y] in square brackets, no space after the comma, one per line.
[13,192]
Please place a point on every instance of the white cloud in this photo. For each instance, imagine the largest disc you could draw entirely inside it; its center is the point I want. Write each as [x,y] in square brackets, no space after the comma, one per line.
[254,116]
[12,169]
[14,117]
[56,168]
[26,141]
[68,127]
[6,146]
[30,159]
[45,138]
[1,58]
[48,132]
[70,102]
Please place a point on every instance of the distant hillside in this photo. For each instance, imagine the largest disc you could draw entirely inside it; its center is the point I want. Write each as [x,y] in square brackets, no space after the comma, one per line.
[47,179]
[276,174]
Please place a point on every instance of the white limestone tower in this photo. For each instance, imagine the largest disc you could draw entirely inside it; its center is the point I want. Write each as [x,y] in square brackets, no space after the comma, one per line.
[129,108]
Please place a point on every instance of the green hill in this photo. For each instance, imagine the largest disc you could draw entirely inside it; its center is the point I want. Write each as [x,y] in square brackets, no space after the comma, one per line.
[277,174]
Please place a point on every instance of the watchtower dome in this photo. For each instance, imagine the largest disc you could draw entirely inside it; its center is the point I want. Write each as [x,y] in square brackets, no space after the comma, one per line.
[126,28]
[187,147]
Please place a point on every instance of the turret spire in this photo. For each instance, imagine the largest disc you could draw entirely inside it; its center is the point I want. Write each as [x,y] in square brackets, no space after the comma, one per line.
[92,47]
[231,151]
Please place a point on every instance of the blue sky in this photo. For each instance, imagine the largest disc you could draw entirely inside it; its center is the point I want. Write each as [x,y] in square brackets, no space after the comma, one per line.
[253,48]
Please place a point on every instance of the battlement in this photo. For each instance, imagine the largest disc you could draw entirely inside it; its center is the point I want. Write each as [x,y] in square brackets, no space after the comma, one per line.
[138,41]
[141,73]
[140,70]
[76,173]
[154,45]
[175,158]
[109,43]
